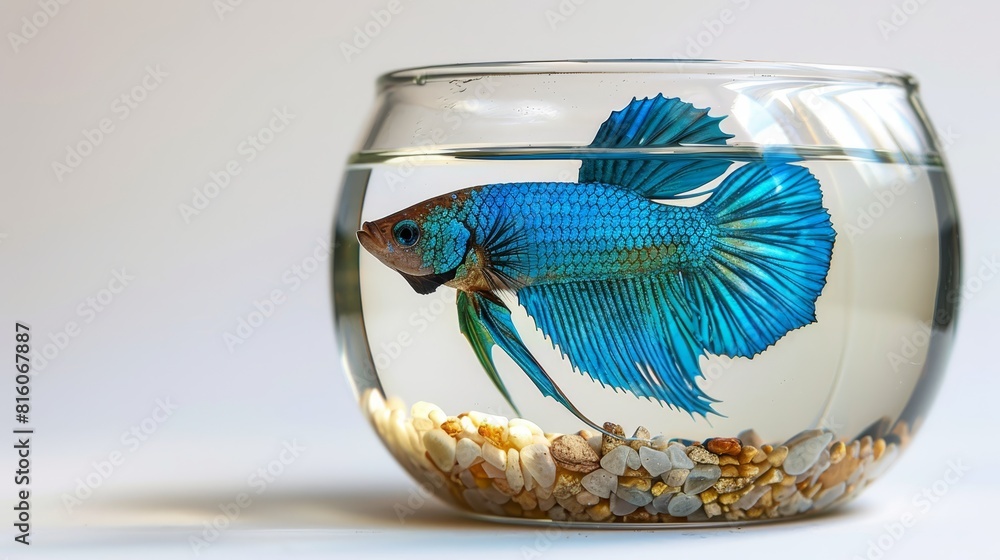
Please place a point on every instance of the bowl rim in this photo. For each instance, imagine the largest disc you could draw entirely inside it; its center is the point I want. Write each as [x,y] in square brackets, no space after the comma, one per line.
[418,75]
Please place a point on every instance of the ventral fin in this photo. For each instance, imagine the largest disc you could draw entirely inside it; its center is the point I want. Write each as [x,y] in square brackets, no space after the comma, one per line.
[656,122]
[427,284]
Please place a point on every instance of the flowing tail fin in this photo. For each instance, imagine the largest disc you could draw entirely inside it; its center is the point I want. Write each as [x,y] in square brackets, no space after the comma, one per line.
[774,242]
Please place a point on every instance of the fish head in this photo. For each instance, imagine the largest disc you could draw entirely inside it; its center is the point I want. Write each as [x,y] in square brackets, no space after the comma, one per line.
[426,243]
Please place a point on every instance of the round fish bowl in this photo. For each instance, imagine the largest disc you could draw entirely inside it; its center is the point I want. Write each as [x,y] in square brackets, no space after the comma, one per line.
[657,292]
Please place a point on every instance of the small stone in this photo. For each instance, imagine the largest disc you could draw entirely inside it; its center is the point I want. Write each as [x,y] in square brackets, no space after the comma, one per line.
[494,495]
[441,448]
[566,485]
[713,510]
[557,513]
[701,477]
[573,453]
[777,456]
[878,448]
[708,496]
[658,489]
[467,479]
[730,471]
[466,453]
[728,460]
[519,436]
[683,505]
[537,460]
[828,496]
[772,476]
[747,454]
[490,470]
[531,426]
[546,503]
[494,433]
[437,417]
[634,495]
[804,454]
[866,446]
[609,442]
[724,446]
[617,459]
[600,483]
[727,485]
[526,500]
[678,457]
[750,499]
[731,498]
[748,470]
[676,477]
[514,477]
[422,409]
[586,498]
[621,507]
[750,437]
[504,488]
[494,456]
[640,438]
[703,456]
[571,505]
[640,516]
[659,443]
[452,426]
[655,462]
[837,452]
[661,503]
[423,424]
[600,511]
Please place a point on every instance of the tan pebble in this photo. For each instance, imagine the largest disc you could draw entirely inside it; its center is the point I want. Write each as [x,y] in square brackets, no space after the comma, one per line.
[767,448]
[483,483]
[728,460]
[574,453]
[787,480]
[730,498]
[513,471]
[546,503]
[747,454]
[755,512]
[640,438]
[777,456]
[600,511]
[567,484]
[713,510]
[609,442]
[730,471]
[638,516]
[772,476]
[452,426]
[526,500]
[709,496]
[676,477]
[519,437]
[477,471]
[702,455]
[760,457]
[571,505]
[811,491]
[513,509]
[493,433]
[641,484]
[724,446]
[837,452]
[878,448]
[748,470]
[839,471]
[586,434]
[502,485]
[658,488]
[726,485]
[766,499]
[586,498]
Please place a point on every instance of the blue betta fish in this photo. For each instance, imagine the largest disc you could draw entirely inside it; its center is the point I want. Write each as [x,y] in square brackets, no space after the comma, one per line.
[631,289]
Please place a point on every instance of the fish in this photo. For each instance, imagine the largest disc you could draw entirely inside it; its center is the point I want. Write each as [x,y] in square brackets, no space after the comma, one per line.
[632,286]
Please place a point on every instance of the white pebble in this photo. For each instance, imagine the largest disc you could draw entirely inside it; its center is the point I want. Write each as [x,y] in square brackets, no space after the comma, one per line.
[423,424]
[373,401]
[470,431]
[395,403]
[519,436]
[466,453]
[514,477]
[546,503]
[587,499]
[422,409]
[494,456]
[621,507]
[616,459]
[538,462]
[441,447]
[532,427]
[656,462]
[437,416]
[494,472]
[804,455]
[600,483]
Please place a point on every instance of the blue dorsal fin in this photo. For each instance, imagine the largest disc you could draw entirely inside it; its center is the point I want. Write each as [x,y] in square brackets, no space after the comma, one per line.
[635,334]
[486,322]
[656,122]
[770,259]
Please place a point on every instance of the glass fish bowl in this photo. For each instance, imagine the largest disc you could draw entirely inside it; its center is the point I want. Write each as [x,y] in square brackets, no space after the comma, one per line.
[656,292]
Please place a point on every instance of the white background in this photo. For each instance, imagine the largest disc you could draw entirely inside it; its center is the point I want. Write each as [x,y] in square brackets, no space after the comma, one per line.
[62,236]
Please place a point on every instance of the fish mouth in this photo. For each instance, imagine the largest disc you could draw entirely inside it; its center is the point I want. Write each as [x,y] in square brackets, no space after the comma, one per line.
[371,237]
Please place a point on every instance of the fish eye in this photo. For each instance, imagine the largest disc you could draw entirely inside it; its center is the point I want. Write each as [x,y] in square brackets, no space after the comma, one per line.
[406,233]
